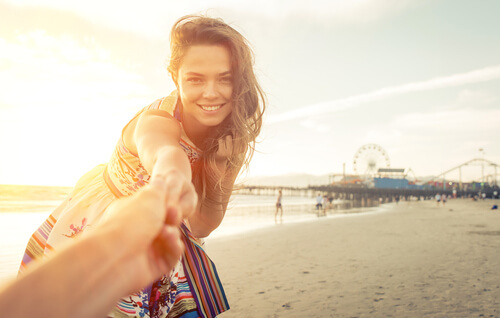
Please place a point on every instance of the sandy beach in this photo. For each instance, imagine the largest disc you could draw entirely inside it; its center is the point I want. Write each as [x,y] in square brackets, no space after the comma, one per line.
[414,260]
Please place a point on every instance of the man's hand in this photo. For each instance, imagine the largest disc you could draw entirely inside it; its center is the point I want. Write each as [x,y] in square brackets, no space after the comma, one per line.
[150,219]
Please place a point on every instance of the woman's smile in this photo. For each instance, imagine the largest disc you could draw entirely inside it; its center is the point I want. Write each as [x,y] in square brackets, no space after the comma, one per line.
[211,108]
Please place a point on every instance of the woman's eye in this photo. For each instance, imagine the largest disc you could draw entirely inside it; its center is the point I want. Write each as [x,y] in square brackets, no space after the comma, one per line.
[226,80]
[194,80]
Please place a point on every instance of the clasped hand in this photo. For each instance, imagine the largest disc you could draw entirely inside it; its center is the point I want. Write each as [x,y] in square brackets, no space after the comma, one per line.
[150,218]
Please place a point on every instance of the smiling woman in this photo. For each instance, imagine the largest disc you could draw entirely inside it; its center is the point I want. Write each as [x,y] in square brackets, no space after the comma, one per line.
[198,139]
[206,88]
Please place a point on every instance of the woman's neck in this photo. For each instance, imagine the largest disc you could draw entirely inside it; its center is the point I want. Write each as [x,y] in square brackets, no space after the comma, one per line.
[196,132]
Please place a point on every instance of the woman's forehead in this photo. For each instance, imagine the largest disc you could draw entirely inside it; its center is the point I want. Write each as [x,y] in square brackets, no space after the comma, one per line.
[206,58]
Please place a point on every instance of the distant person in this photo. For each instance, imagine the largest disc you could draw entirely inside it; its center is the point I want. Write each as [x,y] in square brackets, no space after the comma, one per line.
[199,137]
[121,254]
[325,204]
[279,207]
[438,198]
[330,199]
[319,201]
[443,198]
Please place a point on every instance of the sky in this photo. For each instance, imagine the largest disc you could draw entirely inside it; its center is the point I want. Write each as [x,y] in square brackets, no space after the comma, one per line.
[418,79]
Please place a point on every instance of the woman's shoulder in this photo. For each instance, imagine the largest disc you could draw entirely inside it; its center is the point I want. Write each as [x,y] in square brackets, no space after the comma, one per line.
[167,104]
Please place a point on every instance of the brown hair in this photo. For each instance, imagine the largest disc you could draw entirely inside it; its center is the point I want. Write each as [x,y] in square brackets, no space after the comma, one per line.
[248,100]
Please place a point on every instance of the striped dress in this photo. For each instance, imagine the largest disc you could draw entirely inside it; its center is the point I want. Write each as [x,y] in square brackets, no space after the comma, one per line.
[191,289]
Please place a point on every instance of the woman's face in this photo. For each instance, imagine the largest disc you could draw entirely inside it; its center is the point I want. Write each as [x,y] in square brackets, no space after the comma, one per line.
[205,86]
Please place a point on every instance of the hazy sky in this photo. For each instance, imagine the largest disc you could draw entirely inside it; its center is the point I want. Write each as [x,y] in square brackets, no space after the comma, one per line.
[421,79]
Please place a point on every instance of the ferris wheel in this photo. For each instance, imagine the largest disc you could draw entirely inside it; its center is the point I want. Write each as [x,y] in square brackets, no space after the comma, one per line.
[369,158]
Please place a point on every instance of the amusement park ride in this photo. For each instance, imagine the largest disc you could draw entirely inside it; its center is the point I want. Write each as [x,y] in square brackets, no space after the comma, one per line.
[372,168]
[369,161]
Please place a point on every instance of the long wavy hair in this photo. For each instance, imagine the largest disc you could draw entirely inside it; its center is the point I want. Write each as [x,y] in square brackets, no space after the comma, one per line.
[248,101]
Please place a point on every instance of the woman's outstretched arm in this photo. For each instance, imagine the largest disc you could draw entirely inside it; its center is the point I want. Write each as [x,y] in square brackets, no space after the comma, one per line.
[155,137]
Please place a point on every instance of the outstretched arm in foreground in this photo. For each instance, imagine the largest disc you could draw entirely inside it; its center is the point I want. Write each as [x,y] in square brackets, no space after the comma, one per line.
[137,242]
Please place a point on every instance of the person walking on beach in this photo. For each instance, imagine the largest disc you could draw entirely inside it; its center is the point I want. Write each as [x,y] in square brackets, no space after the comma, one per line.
[443,198]
[325,204]
[279,207]
[319,201]
[330,200]
[438,199]
[198,139]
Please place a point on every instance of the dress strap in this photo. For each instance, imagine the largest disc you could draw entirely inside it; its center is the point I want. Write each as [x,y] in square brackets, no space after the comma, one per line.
[202,277]
[177,113]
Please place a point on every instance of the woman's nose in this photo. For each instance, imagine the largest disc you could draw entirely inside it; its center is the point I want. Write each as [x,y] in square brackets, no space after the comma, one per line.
[210,90]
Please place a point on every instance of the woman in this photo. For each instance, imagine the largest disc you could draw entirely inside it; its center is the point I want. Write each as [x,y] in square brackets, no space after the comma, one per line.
[279,207]
[198,139]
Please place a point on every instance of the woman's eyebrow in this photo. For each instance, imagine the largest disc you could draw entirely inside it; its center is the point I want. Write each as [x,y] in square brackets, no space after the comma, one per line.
[194,74]
[201,75]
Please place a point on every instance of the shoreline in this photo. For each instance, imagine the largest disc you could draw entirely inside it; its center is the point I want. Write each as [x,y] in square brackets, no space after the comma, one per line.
[414,260]
[244,219]
[16,227]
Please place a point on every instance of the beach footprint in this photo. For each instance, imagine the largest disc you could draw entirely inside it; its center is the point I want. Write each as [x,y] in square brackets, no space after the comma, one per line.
[287,306]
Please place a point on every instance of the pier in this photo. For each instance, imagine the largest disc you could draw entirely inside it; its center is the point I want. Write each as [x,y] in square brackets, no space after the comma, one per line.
[364,196]
[359,193]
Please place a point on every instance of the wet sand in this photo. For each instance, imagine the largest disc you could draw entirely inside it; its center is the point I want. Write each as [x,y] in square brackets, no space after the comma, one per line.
[415,260]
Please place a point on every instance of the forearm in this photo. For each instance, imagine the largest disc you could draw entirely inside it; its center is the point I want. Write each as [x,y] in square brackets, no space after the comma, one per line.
[77,281]
[156,140]
[206,219]
[168,158]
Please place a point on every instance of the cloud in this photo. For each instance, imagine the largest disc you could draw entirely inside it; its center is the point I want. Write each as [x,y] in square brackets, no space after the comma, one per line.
[334,10]
[58,68]
[457,122]
[315,126]
[476,76]
[474,98]
[156,17]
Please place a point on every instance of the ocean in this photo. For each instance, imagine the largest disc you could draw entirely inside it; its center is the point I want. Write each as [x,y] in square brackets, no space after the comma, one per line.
[24,208]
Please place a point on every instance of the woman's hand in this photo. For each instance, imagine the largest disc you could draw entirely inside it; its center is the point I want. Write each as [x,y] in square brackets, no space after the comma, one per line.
[228,150]
[225,149]
[179,192]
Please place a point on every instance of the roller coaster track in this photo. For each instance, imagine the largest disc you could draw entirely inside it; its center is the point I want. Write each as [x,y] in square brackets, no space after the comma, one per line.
[477,161]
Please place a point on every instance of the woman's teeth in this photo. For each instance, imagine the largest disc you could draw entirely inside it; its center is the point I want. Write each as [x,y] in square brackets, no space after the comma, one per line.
[210,108]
